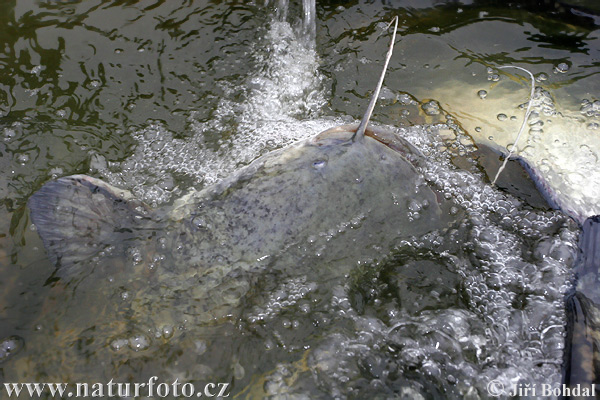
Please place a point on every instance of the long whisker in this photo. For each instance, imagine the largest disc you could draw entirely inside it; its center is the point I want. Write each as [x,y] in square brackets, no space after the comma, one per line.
[527,112]
[360,131]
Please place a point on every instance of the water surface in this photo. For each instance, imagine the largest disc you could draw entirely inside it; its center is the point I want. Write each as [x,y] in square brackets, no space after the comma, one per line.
[160,97]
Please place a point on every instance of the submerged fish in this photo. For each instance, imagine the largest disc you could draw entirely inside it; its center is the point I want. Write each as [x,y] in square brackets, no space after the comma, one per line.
[326,201]
[310,212]
[316,208]
[344,196]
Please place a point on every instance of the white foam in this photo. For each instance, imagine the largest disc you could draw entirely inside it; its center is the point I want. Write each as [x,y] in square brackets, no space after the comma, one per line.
[491,339]
[281,105]
[510,328]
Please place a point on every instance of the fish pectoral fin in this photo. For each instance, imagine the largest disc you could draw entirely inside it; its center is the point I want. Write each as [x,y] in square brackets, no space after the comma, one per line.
[78,216]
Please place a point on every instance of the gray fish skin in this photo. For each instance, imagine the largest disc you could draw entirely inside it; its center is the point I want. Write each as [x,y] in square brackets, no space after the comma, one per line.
[317,207]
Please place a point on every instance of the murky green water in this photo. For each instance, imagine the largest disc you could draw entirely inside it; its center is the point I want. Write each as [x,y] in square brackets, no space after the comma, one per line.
[159,97]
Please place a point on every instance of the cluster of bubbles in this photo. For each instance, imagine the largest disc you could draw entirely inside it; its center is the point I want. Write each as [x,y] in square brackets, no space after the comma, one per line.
[431,108]
[278,102]
[510,262]
[543,106]
[287,295]
[487,303]
[135,343]
[591,109]
[492,75]
[496,290]
[142,341]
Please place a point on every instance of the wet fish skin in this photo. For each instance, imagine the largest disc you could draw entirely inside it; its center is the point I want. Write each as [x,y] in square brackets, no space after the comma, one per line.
[317,207]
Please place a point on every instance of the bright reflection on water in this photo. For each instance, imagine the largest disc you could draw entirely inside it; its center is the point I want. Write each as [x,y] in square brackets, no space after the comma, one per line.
[159,98]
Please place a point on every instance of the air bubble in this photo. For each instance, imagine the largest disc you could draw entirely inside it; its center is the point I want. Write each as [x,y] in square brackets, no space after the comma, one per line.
[136,255]
[431,108]
[199,223]
[139,343]
[502,117]
[319,164]
[482,94]
[356,222]
[9,134]
[118,344]
[9,347]
[405,99]
[167,183]
[414,205]
[167,331]
[22,159]
[561,68]
[200,347]
[238,371]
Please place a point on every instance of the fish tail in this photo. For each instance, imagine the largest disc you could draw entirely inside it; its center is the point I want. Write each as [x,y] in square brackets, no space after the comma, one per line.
[78,216]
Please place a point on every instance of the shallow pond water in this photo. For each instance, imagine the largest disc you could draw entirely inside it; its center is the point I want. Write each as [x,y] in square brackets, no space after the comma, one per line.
[161,97]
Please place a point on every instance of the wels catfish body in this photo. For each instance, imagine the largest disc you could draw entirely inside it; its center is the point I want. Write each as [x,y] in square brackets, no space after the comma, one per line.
[313,211]
[318,206]
[332,266]
[327,201]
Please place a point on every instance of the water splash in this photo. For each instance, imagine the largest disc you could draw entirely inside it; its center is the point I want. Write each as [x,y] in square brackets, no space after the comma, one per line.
[309,23]
[443,315]
[279,104]
[307,28]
